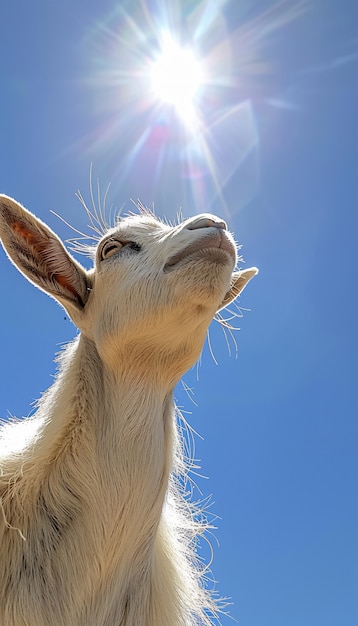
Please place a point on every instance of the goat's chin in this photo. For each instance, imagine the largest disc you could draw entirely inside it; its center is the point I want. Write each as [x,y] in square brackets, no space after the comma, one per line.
[211,277]
[207,271]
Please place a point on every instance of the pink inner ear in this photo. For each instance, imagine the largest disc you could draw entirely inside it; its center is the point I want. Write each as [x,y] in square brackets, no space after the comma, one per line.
[40,244]
[37,241]
[20,229]
[62,280]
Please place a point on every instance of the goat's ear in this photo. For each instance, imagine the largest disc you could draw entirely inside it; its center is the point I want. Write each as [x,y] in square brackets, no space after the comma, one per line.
[239,281]
[41,256]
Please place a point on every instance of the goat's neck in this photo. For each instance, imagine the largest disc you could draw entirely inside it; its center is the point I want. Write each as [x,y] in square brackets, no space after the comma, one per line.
[120,419]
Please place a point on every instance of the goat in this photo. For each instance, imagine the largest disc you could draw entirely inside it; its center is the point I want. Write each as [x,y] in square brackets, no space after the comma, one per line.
[95,529]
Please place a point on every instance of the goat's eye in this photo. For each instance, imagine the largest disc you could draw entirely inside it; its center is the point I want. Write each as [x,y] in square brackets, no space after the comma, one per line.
[110,247]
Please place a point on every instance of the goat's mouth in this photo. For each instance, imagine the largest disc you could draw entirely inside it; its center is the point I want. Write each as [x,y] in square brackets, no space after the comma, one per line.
[215,247]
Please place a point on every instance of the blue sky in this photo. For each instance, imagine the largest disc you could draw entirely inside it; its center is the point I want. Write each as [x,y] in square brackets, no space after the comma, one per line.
[275,153]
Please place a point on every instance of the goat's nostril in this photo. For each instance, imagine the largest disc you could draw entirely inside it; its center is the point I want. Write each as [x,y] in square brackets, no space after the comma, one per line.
[207,222]
[220,224]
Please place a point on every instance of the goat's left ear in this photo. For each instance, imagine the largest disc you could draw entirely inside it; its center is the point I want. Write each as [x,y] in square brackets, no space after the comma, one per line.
[239,281]
[41,256]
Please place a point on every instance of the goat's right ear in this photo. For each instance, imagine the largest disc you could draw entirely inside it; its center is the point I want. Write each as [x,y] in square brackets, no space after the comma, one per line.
[41,256]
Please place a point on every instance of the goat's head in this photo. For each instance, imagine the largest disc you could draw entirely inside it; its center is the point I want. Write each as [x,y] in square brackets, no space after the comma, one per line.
[153,291]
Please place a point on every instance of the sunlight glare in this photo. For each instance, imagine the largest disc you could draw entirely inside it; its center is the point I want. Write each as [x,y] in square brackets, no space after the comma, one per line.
[176,77]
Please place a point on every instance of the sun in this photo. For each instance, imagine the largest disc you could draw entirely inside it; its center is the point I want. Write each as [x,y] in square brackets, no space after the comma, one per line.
[176,77]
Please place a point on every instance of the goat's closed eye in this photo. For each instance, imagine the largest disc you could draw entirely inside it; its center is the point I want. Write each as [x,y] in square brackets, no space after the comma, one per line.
[112,246]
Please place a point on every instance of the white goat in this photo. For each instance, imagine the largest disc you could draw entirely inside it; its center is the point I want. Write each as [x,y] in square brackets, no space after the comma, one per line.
[94,527]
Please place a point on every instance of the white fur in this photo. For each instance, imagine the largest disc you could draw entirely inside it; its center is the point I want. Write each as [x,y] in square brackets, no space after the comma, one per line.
[94,526]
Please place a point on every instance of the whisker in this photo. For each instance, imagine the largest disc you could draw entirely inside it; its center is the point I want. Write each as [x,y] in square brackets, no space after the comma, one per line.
[92,226]
[211,349]
[106,223]
[94,215]
[76,230]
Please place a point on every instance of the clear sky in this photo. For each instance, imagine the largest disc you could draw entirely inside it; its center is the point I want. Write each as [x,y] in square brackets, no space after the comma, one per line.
[272,149]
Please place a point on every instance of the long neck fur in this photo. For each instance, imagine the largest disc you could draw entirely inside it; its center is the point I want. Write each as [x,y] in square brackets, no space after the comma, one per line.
[86,509]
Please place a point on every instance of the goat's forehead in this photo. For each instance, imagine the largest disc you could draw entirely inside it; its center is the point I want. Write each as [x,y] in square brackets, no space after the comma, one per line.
[139,224]
[142,219]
